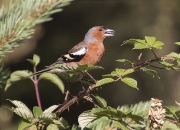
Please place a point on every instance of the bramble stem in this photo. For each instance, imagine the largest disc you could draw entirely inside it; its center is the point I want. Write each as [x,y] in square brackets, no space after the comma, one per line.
[35,81]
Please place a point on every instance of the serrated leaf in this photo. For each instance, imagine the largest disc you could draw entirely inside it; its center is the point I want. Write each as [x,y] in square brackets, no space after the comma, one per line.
[104,81]
[16,76]
[130,81]
[54,79]
[128,71]
[47,114]
[150,40]
[177,43]
[105,112]
[120,71]
[141,109]
[173,110]
[158,45]
[104,123]
[174,55]
[21,110]
[24,124]
[37,111]
[101,101]
[85,118]
[134,41]
[141,46]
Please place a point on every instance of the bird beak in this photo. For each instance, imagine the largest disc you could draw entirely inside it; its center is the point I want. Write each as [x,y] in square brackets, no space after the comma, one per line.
[109,32]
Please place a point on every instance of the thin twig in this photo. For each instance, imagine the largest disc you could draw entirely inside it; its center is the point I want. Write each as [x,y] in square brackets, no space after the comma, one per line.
[173,121]
[88,98]
[154,53]
[90,76]
[35,81]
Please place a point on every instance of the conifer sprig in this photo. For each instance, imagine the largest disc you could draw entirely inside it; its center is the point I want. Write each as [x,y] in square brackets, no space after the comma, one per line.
[20,17]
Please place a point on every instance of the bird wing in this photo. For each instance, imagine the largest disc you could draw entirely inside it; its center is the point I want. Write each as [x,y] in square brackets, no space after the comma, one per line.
[74,55]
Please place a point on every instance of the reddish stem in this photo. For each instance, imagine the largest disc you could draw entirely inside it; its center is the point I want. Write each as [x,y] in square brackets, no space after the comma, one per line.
[35,81]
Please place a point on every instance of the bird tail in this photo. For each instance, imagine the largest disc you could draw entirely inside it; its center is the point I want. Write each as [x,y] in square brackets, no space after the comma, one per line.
[40,72]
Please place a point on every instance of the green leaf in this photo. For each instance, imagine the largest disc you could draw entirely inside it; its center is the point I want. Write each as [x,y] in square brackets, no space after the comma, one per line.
[158,45]
[21,110]
[174,55]
[104,123]
[177,43]
[37,111]
[54,79]
[173,110]
[170,126]
[61,123]
[130,81]
[24,124]
[178,62]
[16,76]
[150,40]
[35,61]
[128,71]
[52,127]
[151,72]
[104,81]
[124,60]
[141,46]
[85,118]
[140,109]
[120,71]
[101,101]
[47,114]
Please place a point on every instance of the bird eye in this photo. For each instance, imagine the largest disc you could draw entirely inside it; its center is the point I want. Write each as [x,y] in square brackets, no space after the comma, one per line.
[100,29]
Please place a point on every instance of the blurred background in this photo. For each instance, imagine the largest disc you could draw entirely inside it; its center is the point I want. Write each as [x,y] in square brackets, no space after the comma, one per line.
[130,19]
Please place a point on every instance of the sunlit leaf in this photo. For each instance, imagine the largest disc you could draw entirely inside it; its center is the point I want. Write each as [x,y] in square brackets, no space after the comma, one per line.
[24,124]
[104,81]
[141,46]
[174,55]
[150,40]
[47,114]
[158,45]
[177,43]
[21,110]
[130,81]
[36,59]
[85,118]
[54,79]
[128,71]
[120,71]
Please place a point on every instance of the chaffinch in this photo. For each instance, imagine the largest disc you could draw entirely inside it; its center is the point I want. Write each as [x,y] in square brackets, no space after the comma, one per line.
[89,51]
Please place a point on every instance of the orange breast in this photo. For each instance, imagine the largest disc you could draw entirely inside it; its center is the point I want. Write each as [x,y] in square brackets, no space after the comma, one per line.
[94,54]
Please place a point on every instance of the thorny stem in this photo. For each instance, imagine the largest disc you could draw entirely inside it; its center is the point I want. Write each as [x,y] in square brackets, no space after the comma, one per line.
[35,81]
[68,103]
[173,121]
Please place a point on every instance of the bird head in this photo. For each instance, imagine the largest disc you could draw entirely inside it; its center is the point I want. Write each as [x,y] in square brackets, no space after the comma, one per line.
[98,33]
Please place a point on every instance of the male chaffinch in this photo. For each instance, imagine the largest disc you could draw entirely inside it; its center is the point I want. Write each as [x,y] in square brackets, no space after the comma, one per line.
[89,51]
